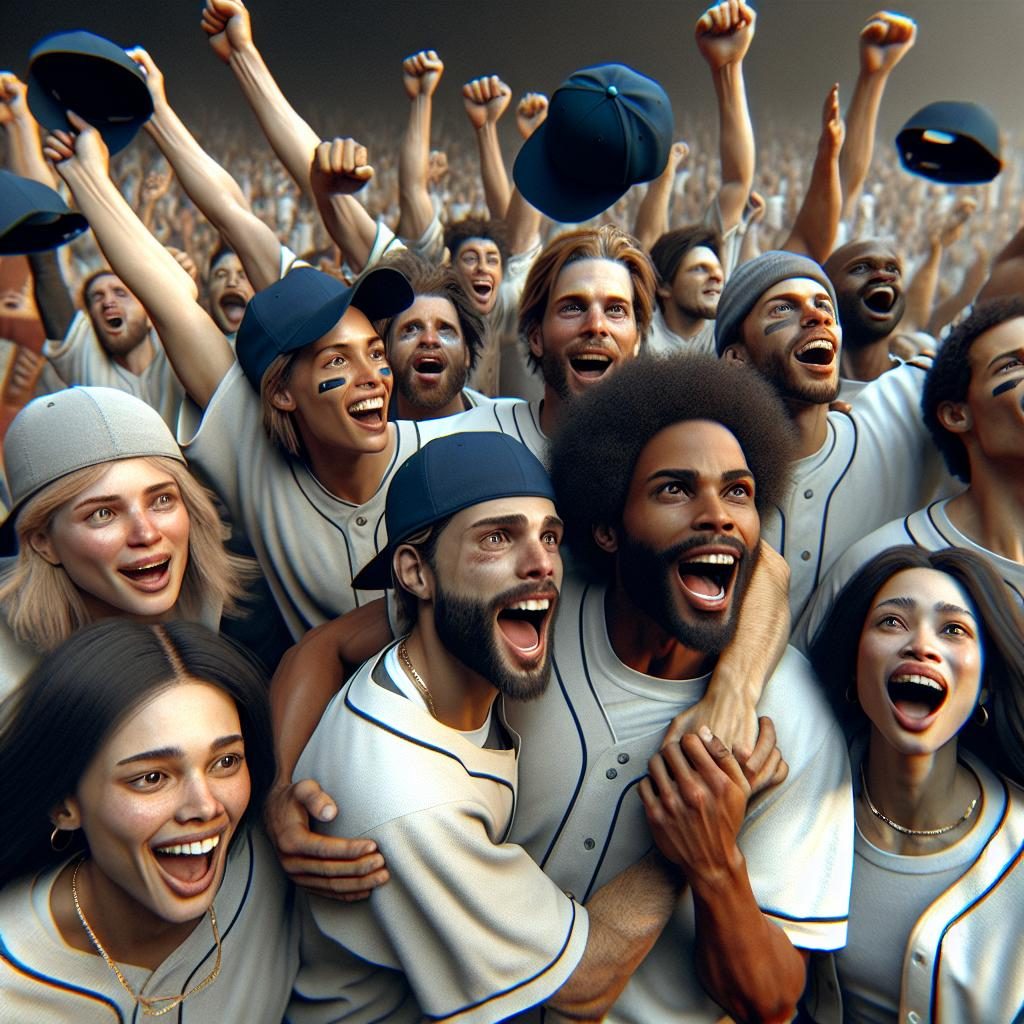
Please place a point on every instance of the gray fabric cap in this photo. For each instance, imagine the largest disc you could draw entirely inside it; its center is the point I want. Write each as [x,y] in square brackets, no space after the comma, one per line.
[56,434]
[750,280]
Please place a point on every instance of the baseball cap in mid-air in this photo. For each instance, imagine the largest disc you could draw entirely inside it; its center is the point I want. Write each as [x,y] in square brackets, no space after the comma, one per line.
[33,217]
[953,142]
[304,305]
[446,476]
[608,128]
[95,78]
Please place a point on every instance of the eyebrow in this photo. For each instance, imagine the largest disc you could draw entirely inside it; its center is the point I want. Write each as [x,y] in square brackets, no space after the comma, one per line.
[162,753]
[940,606]
[109,499]
[691,476]
[515,519]
[1015,352]
[796,297]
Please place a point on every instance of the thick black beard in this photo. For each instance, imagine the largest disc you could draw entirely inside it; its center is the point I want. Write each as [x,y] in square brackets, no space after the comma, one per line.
[648,578]
[434,399]
[466,628]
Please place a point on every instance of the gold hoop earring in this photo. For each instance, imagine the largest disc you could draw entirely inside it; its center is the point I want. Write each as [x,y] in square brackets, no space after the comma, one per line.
[980,716]
[57,830]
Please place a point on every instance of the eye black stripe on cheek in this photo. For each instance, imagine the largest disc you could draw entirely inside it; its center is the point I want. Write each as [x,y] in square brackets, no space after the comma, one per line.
[1006,385]
[330,385]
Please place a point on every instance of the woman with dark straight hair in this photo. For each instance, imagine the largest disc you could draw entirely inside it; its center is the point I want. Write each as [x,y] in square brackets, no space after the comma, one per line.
[134,762]
[923,657]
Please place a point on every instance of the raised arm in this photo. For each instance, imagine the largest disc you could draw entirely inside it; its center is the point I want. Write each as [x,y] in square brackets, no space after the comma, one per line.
[815,227]
[485,100]
[208,185]
[652,213]
[421,74]
[196,348]
[522,222]
[24,147]
[227,24]
[946,311]
[884,42]
[724,33]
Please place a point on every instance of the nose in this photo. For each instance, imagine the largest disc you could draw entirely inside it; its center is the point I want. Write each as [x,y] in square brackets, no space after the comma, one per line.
[429,336]
[198,802]
[596,321]
[713,515]
[811,313]
[539,560]
[921,644]
[143,531]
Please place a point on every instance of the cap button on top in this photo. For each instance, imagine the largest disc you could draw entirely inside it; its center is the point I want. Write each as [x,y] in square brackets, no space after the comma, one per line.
[612,90]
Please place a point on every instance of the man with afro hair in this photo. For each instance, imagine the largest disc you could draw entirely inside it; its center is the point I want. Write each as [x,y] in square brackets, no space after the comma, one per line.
[973,405]
[661,476]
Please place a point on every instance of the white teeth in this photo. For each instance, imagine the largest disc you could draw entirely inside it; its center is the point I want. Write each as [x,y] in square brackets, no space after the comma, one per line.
[152,565]
[538,605]
[713,559]
[815,343]
[367,404]
[918,681]
[592,357]
[200,846]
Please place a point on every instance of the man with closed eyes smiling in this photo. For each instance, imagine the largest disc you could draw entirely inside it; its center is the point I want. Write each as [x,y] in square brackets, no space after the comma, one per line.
[853,471]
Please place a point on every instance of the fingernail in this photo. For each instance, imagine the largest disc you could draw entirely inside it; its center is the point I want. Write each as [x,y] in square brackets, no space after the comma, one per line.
[328,814]
[705,734]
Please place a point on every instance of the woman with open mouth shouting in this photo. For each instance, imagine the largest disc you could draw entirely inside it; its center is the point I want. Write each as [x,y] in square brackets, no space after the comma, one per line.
[925,652]
[147,750]
[108,521]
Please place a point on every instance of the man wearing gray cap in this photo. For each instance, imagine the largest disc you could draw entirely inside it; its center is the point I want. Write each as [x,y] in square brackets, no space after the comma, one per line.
[854,471]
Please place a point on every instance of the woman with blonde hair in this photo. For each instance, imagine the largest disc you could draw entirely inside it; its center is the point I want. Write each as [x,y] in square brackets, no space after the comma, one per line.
[108,522]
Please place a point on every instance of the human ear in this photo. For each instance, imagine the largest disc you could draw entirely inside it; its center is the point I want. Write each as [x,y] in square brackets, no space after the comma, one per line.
[66,815]
[282,400]
[42,545]
[955,417]
[735,354]
[606,538]
[536,342]
[412,572]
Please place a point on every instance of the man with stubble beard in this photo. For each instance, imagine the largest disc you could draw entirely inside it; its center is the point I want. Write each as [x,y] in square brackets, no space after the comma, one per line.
[853,471]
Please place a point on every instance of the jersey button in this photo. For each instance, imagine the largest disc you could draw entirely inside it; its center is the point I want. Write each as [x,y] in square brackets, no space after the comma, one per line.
[913,1017]
[919,959]
[588,844]
[360,520]
[805,555]
[570,894]
[808,493]
[623,758]
[611,774]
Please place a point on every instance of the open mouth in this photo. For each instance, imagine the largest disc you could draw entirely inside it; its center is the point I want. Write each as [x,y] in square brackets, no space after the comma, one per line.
[233,305]
[707,578]
[150,576]
[915,697]
[188,867]
[816,352]
[370,411]
[590,365]
[482,289]
[115,322]
[523,623]
[880,299]
[429,365]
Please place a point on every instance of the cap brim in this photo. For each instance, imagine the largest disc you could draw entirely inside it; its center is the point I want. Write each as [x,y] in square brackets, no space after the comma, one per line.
[42,230]
[376,574]
[543,186]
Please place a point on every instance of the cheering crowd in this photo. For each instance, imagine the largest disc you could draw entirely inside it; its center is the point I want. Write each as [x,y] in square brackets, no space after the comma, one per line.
[439,589]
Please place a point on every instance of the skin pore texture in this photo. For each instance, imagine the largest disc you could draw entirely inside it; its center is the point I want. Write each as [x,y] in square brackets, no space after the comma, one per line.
[173,772]
[919,665]
[478,267]
[686,545]
[123,541]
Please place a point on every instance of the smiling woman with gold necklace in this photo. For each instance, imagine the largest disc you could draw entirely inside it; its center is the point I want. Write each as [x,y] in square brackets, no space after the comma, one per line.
[925,652]
[131,761]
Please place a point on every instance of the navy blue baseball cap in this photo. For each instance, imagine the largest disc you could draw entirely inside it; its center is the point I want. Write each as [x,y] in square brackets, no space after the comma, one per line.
[304,305]
[951,141]
[33,217]
[96,79]
[608,127]
[446,476]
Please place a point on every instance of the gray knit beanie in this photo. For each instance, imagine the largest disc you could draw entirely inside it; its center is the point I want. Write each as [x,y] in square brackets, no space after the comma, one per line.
[751,280]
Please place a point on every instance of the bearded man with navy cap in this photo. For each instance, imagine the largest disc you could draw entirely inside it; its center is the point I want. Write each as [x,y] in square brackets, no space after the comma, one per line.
[420,755]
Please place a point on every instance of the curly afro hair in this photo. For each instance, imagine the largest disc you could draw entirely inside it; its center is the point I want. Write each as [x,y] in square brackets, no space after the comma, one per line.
[950,377]
[594,453]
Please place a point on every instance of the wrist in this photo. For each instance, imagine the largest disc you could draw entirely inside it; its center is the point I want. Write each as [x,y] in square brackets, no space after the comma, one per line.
[711,883]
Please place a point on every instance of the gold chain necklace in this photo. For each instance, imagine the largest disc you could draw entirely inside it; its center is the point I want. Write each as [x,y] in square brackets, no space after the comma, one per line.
[146,1002]
[903,828]
[403,653]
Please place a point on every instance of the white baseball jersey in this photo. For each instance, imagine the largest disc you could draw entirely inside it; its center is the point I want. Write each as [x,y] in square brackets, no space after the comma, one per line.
[44,979]
[80,359]
[586,745]
[929,528]
[661,340]
[511,416]
[878,462]
[469,929]
[310,543]
[960,962]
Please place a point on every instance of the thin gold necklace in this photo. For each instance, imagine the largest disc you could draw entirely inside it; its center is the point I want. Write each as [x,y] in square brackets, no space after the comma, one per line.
[903,828]
[403,653]
[146,1002]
